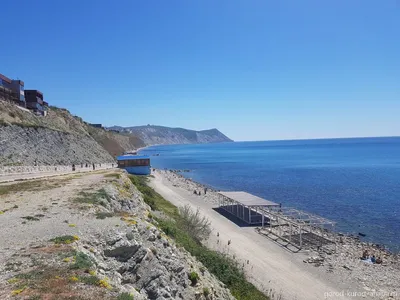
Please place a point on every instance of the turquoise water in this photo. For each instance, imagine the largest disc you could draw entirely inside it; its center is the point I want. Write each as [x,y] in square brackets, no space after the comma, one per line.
[355,182]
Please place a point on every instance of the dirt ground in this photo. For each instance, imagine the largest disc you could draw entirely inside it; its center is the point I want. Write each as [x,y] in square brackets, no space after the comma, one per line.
[34,212]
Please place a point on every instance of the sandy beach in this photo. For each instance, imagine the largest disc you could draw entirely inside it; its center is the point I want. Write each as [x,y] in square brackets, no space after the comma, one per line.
[309,274]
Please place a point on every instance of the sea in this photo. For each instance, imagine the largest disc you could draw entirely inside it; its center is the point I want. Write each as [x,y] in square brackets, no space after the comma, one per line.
[354,182]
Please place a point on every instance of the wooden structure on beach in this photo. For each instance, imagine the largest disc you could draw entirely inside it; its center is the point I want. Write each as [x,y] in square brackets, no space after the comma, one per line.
[298,228]
[245,206]
[288,225]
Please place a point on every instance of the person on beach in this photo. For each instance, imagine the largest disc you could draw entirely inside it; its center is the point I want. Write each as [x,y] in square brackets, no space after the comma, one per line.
[365,255]
[205,191]
[378,261]
[373,259]
[94,167]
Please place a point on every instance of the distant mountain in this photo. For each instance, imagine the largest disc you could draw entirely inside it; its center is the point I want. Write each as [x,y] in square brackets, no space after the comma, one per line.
[160,135]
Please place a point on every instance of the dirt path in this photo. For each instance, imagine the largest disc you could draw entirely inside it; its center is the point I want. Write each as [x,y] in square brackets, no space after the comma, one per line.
[270,266]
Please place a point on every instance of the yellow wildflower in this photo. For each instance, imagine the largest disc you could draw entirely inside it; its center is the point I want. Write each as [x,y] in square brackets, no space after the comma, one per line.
[74,279]
[104,283]
[17,292]
[71,225]
[13,280]
[76,238]
[92,272]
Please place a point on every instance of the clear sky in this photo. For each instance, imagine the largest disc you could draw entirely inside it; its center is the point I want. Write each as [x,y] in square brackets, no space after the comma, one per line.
[256,70]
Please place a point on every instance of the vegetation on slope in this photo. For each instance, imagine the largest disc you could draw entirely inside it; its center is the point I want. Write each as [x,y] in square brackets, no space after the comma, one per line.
[223,267]
[61,120]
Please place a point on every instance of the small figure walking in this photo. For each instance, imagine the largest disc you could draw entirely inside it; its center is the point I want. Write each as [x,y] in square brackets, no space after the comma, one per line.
[94,168]
[229,242]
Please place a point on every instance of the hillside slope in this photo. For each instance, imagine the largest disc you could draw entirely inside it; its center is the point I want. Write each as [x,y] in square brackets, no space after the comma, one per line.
[107,249]
[57,139]
[153,135]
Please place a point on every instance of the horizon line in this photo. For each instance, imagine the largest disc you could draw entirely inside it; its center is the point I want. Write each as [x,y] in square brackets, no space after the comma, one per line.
[320,138]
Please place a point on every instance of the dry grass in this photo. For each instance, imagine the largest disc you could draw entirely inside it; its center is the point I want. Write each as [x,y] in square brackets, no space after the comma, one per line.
[32,185]
[56,283]
[99,197]
[113,175]
[55,278]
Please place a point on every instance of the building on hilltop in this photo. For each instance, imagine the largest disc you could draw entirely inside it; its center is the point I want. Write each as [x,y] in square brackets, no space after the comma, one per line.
[12,90]
[96,125]
[17,86]
[34,101]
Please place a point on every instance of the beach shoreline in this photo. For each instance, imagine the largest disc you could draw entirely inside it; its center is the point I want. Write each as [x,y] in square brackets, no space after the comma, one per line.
[309,274]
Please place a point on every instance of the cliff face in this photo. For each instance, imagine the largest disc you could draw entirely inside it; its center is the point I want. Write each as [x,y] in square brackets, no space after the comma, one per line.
[152,135]
[57,139]
[43,146]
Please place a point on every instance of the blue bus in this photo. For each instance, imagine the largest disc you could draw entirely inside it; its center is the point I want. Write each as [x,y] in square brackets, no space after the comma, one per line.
[135,164]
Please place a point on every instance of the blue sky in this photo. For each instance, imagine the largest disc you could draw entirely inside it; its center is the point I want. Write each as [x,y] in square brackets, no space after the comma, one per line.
[256,70]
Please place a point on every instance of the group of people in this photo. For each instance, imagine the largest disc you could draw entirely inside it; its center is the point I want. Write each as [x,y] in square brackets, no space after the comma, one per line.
[370,258]
[87,165]
[198,193]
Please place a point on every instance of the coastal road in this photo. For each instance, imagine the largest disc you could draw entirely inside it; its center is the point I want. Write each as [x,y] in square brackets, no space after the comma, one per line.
[270,267]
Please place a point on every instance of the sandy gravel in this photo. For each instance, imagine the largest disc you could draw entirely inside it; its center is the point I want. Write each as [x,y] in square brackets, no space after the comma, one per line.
[269,266]
[53,209]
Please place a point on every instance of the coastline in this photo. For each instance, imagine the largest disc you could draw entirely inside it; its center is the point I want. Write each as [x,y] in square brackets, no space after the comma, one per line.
[309,274]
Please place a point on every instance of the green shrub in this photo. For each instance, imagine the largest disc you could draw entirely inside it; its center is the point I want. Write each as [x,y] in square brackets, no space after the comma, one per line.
[64,239]
[206,291]
[96,198]
[193,277]
[102,215]
[91,280]
[152,198]
[82,261]
[198,226]
[125,296]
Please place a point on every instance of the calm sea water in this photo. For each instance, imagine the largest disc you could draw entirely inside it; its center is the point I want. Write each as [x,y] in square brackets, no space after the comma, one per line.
[355,182]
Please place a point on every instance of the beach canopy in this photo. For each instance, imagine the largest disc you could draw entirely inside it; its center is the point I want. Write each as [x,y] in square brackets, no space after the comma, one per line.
[247,199]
